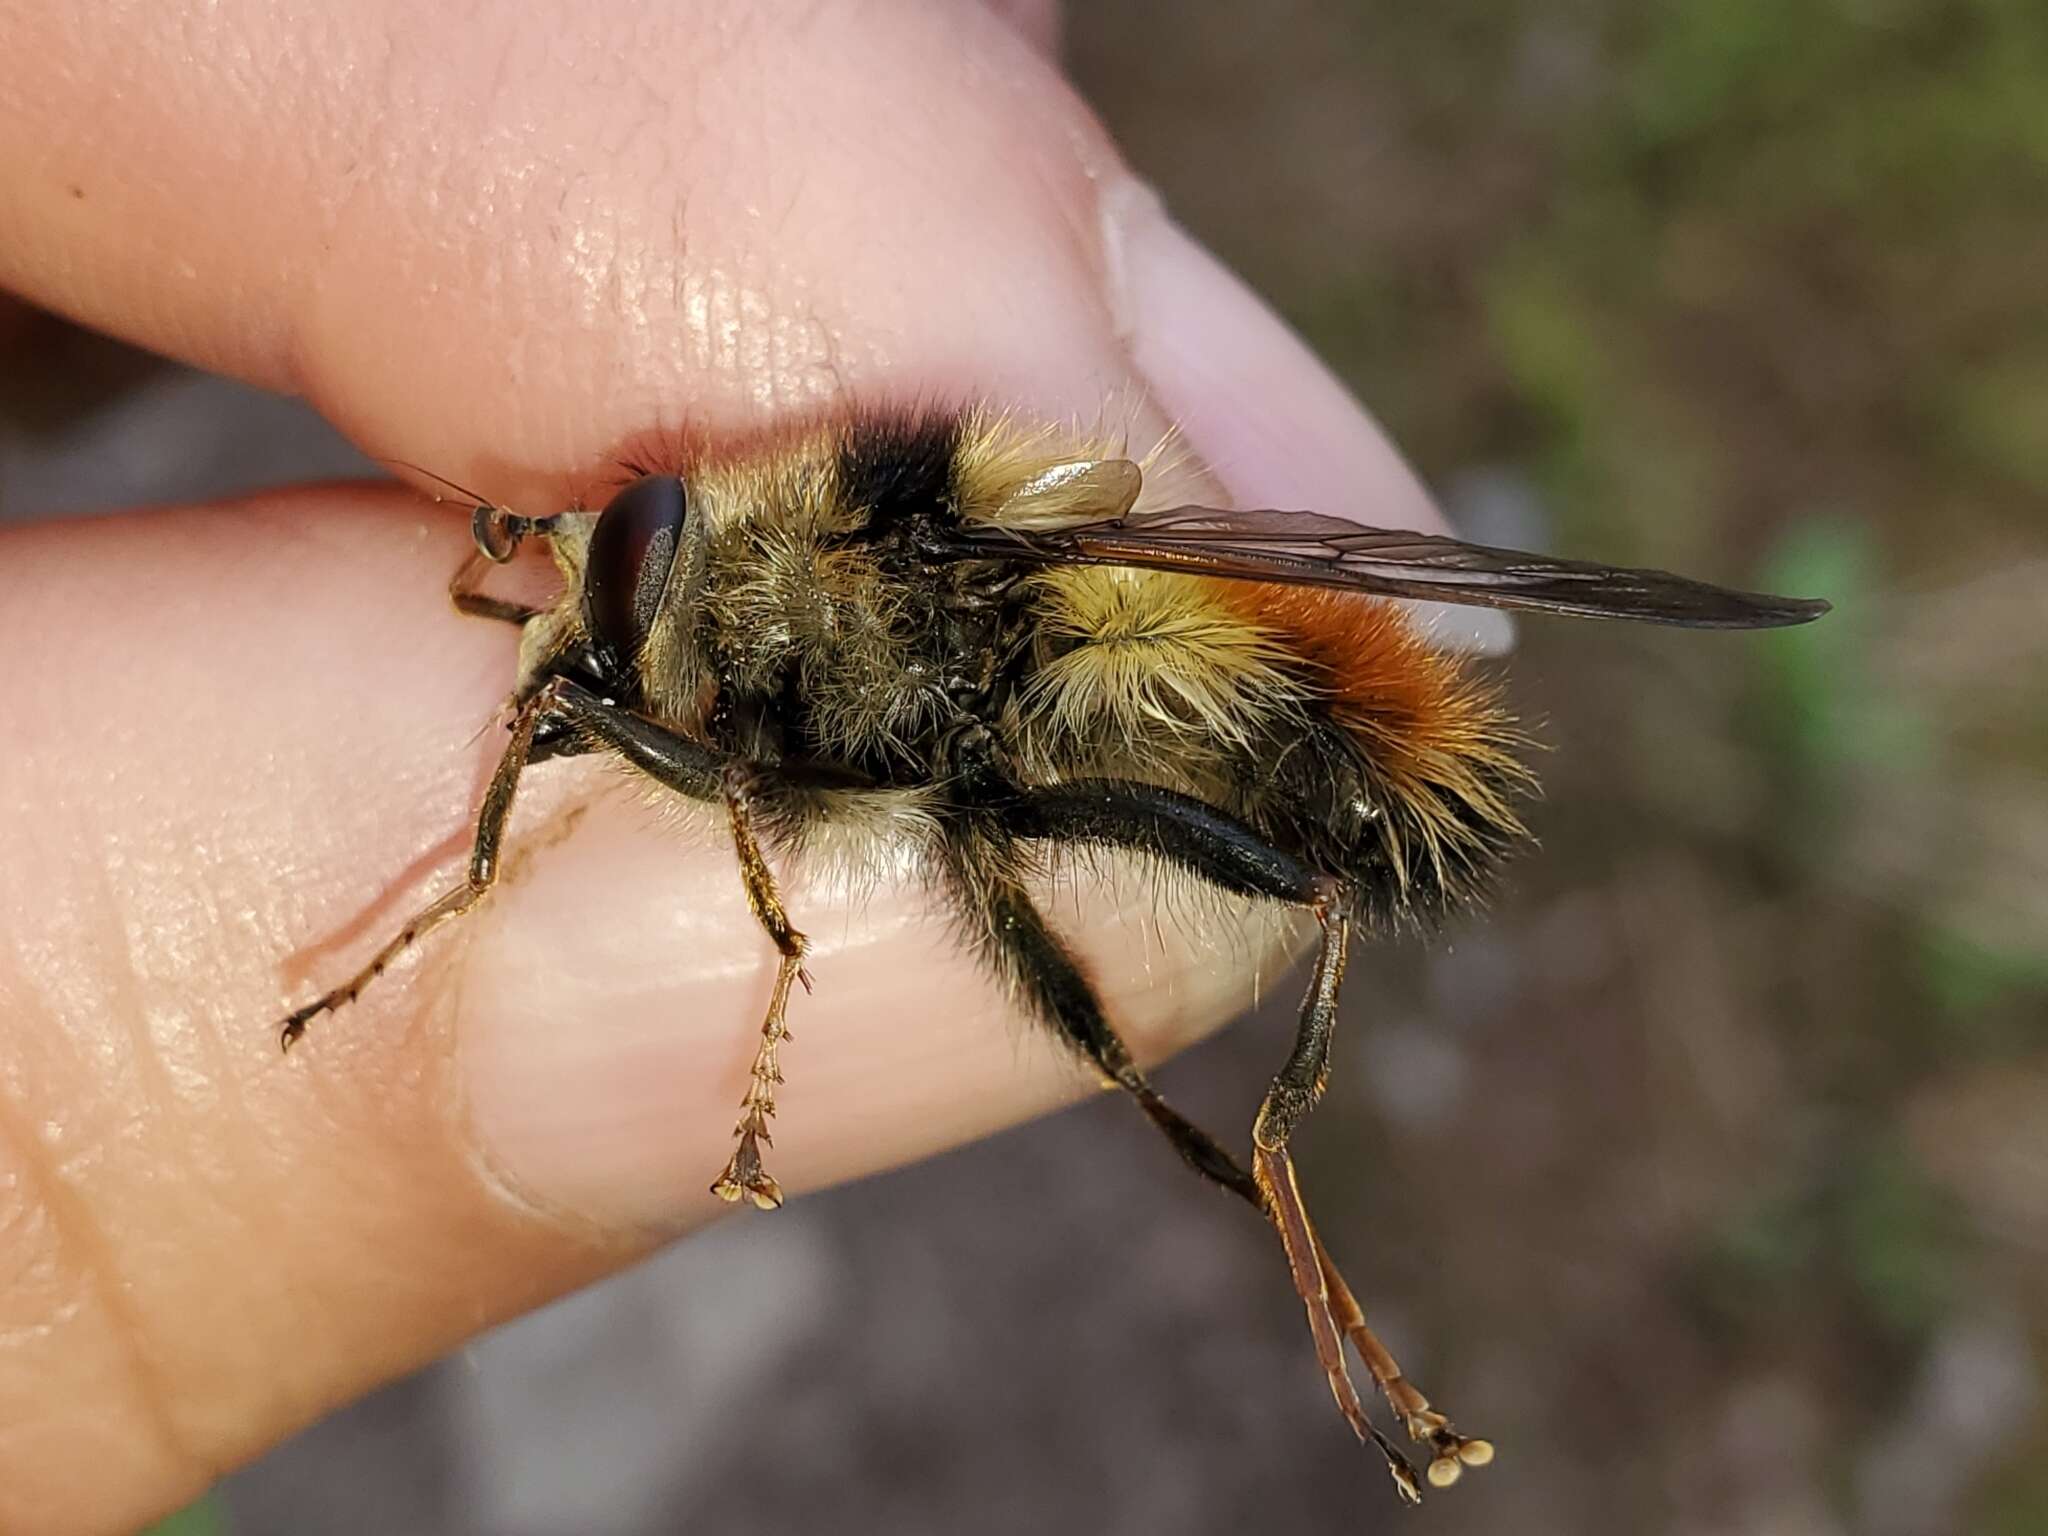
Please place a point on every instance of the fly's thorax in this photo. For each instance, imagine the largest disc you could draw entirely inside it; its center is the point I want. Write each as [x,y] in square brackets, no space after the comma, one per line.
[792,614]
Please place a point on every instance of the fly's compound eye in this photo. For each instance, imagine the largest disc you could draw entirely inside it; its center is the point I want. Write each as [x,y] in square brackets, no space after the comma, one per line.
[632,552]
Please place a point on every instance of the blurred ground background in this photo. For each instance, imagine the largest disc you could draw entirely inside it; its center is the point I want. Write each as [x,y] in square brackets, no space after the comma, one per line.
[1708,1172]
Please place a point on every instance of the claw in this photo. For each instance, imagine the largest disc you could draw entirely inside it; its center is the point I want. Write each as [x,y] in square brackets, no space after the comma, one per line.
[744,1176]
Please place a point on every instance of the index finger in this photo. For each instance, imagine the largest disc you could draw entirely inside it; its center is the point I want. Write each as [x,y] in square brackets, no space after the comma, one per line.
[523,239]
[500,248]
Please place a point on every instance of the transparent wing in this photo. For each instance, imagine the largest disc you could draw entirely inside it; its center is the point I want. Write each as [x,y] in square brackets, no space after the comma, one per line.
[1313,550]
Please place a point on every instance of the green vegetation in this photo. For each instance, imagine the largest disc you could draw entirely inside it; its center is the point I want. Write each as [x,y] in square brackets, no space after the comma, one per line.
[201,1519]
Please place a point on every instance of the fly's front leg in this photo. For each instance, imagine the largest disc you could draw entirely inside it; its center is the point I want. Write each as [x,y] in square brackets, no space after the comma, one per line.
[472,603]
[498,534]
[577,721]
[483,872]
[744,1175]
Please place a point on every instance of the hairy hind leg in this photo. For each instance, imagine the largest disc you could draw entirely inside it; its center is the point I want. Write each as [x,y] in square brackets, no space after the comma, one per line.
[1222,850]
[1008,929]
[1293,1093]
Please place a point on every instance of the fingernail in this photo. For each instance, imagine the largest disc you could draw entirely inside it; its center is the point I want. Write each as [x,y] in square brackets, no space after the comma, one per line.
[1272,424]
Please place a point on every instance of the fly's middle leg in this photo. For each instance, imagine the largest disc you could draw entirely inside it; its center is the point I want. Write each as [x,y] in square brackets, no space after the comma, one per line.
[745,1176]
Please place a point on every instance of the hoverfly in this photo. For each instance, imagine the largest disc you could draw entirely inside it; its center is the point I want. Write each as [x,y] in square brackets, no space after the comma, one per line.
[988,641]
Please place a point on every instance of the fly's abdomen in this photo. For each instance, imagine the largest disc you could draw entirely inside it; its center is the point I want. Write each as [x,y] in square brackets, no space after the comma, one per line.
[1139,674]
[1405,779]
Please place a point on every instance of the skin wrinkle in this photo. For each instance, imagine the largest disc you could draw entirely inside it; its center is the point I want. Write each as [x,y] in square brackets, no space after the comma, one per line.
[190,1059]
[73,1227]
[364,149]
[142,1079]
[239,77]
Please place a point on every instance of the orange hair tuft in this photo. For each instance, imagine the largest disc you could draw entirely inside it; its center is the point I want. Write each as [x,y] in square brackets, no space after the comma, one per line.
[1438,740]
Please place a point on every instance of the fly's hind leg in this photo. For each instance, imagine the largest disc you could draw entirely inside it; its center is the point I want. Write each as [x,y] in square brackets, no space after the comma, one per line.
[1294,1092]
[744,1175]
[1225,852]
[1006,925]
